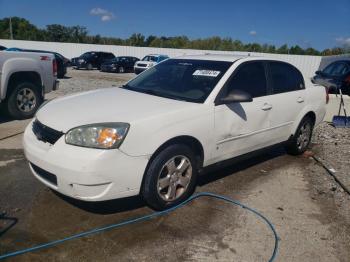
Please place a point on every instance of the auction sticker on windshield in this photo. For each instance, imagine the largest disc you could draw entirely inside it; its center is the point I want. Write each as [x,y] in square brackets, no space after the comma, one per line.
[210,73]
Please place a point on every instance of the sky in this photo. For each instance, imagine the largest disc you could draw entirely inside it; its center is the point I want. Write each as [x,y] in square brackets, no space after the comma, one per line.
[320,24]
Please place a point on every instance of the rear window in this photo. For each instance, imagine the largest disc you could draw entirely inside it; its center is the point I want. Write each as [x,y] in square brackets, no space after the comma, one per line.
[285,78]
[150,58]
[181,79]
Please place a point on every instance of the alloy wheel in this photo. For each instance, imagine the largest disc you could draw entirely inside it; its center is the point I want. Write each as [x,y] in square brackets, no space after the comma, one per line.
[174,178]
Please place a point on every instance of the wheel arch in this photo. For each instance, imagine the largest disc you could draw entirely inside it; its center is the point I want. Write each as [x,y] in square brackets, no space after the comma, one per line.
[24,76]
[186,140]
[307,113]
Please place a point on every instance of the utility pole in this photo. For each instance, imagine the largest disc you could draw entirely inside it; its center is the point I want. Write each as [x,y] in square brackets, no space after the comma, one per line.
[11,33]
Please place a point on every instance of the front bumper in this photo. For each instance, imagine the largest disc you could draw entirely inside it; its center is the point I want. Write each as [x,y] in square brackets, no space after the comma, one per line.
[138,70]
[83,173]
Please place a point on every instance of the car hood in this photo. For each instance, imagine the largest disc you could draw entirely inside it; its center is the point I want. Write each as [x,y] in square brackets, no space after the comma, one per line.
[105,105]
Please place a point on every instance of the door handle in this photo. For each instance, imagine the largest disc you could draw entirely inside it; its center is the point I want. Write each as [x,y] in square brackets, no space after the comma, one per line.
[266,107]
[300,100]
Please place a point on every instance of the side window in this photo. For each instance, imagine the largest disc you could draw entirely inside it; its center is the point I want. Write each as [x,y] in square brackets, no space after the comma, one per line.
[338,69]
[328,69]
[250,78]
[285,78]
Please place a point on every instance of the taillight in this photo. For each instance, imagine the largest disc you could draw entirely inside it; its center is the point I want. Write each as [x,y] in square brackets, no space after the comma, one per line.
[54,67]
[347,80]
[327,95]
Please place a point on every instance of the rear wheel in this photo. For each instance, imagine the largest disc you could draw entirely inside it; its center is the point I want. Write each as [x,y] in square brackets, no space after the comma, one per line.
[121,69]
[170,178]
[24,100]
[302,137]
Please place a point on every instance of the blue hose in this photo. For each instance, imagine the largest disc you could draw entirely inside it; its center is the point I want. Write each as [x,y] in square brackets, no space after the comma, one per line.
[147,217]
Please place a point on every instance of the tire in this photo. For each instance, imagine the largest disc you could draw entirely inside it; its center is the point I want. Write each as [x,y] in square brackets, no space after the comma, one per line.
[302,137]
[89,66]
[121,70]
[23,101]
[182,180]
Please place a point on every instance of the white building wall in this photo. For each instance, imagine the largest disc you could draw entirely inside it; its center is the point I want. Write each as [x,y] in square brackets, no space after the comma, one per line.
[306,64]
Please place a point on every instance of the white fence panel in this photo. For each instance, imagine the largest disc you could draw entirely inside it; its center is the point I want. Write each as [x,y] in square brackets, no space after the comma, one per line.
[307,64]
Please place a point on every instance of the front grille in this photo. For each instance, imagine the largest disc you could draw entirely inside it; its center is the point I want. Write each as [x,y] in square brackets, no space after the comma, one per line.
[44,174]
[142,65]
[45,133]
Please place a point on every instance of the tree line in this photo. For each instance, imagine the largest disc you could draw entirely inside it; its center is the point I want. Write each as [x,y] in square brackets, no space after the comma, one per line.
[22,29]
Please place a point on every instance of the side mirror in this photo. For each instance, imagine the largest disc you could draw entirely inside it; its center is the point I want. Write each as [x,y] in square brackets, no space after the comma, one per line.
[236,96]
[319,73]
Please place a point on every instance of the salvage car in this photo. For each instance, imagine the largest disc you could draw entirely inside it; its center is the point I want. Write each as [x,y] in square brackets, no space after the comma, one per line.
[157,133]
[334,76]
[91,60]
[120,64]
[147,62]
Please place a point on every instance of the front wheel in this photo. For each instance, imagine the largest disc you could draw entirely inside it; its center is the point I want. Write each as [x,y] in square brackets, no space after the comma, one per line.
[23,101]
[302,137]
[170,178]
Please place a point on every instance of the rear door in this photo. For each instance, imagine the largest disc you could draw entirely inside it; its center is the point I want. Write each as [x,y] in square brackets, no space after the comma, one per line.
[288,99]
[243,127]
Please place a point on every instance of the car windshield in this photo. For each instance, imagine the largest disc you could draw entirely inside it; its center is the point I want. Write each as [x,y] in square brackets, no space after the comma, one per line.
[114,60]
[181,79]
[150,58]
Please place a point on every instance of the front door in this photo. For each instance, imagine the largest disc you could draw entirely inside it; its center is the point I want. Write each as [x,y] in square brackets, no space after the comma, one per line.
[243,127]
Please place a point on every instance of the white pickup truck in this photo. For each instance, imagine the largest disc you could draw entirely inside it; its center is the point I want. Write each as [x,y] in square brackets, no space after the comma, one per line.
[24,80]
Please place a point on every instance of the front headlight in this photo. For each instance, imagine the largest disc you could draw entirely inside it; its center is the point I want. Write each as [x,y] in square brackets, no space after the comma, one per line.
[81,60]
[102,136]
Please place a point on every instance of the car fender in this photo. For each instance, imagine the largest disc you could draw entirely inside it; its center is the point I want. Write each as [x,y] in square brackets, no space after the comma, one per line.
[199,124]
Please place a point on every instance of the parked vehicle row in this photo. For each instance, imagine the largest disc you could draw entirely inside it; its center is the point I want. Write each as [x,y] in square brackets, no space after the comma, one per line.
[334,76]
[25,77]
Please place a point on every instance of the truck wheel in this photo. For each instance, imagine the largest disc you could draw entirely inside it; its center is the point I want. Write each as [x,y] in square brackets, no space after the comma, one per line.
[24,100]
[302,137]
[170,178]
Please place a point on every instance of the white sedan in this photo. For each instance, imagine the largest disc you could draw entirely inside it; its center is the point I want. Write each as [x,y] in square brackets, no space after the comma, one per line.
[155,134]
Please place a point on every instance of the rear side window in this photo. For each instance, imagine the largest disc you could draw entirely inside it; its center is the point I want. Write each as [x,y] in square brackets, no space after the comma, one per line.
[249,77]
[285,78]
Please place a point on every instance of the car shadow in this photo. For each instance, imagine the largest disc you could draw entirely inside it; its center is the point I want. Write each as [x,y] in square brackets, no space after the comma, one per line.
[105,207]
[235,165]
[5,119]
[210,175]
[65,77]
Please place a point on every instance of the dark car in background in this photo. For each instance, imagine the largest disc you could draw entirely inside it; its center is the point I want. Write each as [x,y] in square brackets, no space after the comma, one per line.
[120,64]
[334,76]
[2,48]
[61,61]
[91,60]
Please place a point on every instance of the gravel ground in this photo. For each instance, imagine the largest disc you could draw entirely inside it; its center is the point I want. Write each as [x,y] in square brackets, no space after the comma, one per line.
[83,80]
[310,210]
[332,146]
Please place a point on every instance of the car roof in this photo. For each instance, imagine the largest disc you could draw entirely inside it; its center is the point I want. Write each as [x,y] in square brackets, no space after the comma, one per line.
[342,61]
[156,55]
[226,57]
